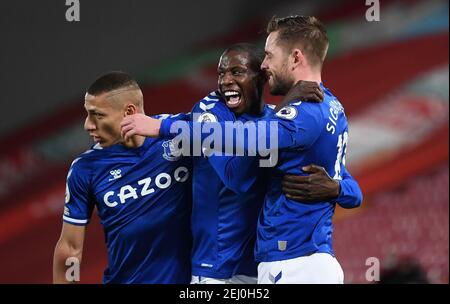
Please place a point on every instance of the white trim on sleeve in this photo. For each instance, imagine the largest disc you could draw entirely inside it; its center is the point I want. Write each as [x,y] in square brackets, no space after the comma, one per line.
[75,221]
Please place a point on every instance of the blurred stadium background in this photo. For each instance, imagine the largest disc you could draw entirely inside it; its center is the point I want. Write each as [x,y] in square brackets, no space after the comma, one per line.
[392,77]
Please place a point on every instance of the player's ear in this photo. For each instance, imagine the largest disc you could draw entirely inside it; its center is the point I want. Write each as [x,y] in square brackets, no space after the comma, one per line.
[297,58]
[130,109]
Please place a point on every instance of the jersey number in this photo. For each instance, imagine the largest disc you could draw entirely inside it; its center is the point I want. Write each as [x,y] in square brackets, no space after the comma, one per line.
[341,151]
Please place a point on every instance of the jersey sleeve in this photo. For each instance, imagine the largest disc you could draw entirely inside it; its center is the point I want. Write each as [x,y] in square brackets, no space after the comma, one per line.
[78,201]
[295,126]
[350,195]
[300,125]
[237,173]
[174,117]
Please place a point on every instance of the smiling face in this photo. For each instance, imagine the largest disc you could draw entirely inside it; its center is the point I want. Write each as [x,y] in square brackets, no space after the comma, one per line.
[276,66]
[240,85]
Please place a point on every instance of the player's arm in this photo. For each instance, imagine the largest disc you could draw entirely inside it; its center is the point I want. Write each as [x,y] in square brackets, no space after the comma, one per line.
[239,173]
[68,250]
[272,133]
[141,124]
[279,131]
[149,126]
[236,172]
[350,194]
[78,209]
[227,167]
[319,186]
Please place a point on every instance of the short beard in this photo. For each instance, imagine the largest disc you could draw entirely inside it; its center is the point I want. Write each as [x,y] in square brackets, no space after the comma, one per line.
[281,85]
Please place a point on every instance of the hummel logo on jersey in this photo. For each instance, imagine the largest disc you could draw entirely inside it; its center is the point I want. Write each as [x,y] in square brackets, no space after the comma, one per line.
[116,174]
[275,279]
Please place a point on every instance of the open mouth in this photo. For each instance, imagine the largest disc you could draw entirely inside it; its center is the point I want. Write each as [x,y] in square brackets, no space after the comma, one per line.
[233,98]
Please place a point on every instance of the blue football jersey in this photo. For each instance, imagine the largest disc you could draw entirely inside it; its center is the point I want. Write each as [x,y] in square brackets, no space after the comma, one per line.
[143,198]
[309,133]
[224,216]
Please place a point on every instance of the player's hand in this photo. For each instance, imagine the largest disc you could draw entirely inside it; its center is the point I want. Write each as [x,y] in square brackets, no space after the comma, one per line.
[315,187]
[139,124]
[304,90]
